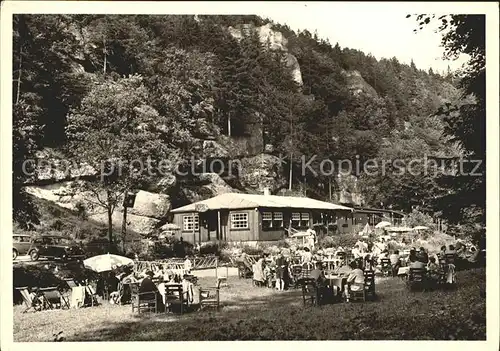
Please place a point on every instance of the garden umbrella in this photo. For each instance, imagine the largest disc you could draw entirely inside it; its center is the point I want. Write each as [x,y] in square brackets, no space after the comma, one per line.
[382,224]
[104,263]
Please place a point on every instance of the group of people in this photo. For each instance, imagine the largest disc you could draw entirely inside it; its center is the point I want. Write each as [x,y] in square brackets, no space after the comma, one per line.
[117,283]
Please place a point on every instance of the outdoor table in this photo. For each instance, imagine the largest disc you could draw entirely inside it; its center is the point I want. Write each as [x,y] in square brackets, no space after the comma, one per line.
[403,271]
[335,280]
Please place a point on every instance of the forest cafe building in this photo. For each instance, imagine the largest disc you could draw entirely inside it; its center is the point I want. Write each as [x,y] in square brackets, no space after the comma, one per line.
[249,217]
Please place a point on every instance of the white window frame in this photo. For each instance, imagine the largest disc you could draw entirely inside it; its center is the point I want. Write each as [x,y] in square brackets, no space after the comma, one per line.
[187,223]
[277,217]
[267,217]
[235,220]
[295,219]
[304,216]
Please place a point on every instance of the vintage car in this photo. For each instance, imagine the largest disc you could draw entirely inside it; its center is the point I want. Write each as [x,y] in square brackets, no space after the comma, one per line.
[21,244]
[55,247]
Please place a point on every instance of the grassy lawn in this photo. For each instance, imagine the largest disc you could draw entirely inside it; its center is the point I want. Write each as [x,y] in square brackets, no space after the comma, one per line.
[252,313]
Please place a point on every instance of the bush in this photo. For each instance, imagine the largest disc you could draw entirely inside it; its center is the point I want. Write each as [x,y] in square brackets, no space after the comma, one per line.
[252,250]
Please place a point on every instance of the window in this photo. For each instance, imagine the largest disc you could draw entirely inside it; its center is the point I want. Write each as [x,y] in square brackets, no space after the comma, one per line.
[278,220]
[190,222]
[272,220]
[267,220]
[295,220]
[300,220]
[304,219]
[239,220]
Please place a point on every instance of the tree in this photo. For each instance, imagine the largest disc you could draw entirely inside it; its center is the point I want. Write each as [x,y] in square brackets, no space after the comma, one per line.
[466,34]
[114,131]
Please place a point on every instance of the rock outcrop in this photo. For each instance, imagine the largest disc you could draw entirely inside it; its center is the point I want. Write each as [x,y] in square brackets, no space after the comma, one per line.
[148,211]
[262,171]
[357,84]
[274,40]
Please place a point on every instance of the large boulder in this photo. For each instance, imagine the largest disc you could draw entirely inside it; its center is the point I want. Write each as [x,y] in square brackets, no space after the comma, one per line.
[150,205]
[139,224]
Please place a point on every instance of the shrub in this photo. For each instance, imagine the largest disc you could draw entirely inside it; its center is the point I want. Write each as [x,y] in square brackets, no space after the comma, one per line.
[252,250]
[209,249]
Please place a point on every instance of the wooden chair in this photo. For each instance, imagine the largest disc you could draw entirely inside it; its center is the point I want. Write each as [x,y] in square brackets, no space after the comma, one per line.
[175,296]
[222,280]
[243,271]
[370,284]
[31,304]
[386,266]
[417,278]
[356,295]
[310,291]
[210,296]
[92,295]
[143,301]
[52,298]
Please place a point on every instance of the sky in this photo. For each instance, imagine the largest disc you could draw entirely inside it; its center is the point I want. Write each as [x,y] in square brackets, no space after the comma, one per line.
[382,30]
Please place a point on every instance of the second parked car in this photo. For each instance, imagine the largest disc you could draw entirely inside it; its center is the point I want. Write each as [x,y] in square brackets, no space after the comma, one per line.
[55,247]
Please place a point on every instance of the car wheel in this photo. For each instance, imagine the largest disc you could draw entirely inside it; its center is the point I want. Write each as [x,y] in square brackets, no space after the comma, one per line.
[34,255]
[14,254]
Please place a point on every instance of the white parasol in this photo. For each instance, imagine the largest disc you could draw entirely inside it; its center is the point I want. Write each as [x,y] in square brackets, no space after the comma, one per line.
[104,263]
[383,224]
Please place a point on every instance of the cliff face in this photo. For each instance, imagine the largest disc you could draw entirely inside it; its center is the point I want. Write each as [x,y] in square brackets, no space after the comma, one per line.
[274,40]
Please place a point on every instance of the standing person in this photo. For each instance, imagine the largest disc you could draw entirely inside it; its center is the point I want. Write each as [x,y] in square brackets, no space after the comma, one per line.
[311,239]
[280,272]
[307,255]
[188,265]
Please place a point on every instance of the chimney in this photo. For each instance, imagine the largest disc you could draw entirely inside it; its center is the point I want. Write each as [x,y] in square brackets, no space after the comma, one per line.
[266,192]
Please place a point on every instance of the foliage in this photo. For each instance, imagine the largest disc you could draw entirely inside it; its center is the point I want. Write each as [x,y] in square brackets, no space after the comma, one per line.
[108,88]
[466,123]
[417,218]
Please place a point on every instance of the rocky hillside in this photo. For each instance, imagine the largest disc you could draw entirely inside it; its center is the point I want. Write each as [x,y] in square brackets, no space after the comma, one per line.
[237,89]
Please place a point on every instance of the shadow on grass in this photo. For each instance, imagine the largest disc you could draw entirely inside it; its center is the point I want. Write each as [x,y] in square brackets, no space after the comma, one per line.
[397,314]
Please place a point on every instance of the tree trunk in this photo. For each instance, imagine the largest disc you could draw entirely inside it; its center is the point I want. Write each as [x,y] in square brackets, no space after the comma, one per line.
[110,218]
[229,124]
[291,172]
[330,187]
[124,228]
[105,55]
[18,93]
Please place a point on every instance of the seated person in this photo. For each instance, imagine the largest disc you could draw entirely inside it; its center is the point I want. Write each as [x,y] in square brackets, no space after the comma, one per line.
[395,262]
[412,257]
[422,256]
[417,265]
[442,252]
[451,250]
[318,274]
[355,279]
[149,291]
[433,269]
